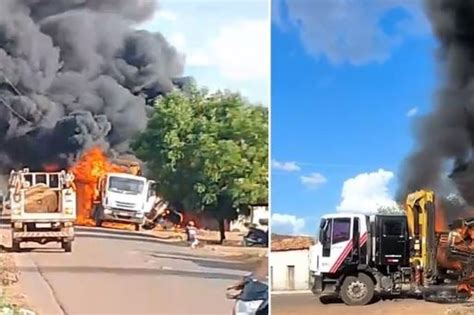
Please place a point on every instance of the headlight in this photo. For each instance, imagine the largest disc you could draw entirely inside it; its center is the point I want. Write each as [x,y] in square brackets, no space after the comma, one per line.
[247,307]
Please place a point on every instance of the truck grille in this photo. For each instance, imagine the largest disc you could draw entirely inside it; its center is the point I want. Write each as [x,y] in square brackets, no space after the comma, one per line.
[125,205]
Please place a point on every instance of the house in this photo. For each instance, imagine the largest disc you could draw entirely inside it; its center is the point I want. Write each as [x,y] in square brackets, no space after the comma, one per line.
[289,262]
[258,216]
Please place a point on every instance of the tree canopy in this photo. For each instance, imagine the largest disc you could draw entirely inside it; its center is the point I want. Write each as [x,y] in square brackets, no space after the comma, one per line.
[207,151]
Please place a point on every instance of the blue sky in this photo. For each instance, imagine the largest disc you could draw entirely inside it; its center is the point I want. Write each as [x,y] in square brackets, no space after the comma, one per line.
[226,42]
[349,81]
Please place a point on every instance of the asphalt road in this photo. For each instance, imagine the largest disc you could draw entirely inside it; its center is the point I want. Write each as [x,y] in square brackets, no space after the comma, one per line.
[302,304]
[121,272]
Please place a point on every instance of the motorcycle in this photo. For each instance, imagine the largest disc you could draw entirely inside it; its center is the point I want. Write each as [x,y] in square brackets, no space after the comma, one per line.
[251,297]
[256,237]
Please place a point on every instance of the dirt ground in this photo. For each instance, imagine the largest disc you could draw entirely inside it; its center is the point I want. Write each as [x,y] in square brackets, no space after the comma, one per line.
[11,295]
[305,304]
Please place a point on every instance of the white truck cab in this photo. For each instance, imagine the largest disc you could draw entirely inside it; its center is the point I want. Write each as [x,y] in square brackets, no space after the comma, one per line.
[337,233]
[124,198]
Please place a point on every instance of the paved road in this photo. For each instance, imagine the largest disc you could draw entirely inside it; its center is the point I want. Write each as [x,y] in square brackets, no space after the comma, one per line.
[118,272]
[305,304]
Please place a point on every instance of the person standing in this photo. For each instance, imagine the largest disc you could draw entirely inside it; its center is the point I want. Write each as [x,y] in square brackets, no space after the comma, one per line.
[191,231]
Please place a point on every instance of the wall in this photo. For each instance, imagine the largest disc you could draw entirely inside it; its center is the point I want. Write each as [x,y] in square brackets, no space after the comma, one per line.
[279,271]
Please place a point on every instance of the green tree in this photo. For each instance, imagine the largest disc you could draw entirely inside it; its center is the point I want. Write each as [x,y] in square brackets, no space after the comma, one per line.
[207,152]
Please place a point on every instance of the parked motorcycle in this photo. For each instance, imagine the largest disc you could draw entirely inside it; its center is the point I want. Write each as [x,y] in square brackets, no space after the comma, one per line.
[256,237]
[251,297]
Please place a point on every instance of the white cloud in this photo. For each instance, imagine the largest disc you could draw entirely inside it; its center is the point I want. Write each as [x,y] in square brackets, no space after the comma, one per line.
[367,192]
[178,40]
[314,180]
[286,166]
[287,224]
[226,43]
[352,31]
[412,112]
[242,50]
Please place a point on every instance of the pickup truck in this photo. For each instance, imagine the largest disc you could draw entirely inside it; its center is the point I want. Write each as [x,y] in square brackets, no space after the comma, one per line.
[42,207]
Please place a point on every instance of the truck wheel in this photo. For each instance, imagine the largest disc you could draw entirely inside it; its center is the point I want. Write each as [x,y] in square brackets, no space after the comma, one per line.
[67,246]
[98,215]
[357,290]
[16,246]
[137,227]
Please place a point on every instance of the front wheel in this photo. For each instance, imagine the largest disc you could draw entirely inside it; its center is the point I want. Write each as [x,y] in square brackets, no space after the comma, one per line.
[98,215]
[357,290]
[67,246]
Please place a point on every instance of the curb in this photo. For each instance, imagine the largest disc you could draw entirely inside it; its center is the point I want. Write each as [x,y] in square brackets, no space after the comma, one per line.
[290,292]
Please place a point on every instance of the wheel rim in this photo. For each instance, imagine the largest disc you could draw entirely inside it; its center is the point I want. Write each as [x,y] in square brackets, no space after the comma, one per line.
[357,290]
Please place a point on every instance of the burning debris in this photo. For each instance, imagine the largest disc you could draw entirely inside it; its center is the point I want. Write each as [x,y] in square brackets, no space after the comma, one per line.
[75,75]
[446,136]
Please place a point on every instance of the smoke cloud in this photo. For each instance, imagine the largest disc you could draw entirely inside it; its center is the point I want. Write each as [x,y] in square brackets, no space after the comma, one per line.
[445,138]
[76,74]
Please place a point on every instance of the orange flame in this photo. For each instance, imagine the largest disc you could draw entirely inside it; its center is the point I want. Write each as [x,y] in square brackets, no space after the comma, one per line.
[51,168]
[440,219]
[87,171]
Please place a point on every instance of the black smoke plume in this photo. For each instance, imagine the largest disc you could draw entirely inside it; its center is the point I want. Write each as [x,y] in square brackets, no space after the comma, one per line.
[445,137]
[76,74]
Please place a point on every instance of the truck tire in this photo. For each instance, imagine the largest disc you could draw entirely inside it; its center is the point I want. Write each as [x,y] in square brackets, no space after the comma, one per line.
[137,227]
[16,246]
[357,290]
[98,215]
[67,246]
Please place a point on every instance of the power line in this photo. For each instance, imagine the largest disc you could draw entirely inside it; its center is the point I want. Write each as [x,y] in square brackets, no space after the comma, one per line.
[5,102]
[13,110]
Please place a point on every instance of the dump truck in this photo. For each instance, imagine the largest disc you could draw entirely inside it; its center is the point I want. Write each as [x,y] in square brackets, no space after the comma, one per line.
[358,256]
[42,207]
[123,198]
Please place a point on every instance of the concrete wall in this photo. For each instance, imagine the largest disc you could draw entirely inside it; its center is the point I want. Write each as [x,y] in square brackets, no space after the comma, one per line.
[280,270]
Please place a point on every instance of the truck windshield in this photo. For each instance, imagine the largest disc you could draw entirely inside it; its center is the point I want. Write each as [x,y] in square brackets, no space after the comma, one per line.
[126,185]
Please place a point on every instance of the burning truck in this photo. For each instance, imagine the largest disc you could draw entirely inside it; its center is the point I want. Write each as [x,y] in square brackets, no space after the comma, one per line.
[358,256]
[112,190]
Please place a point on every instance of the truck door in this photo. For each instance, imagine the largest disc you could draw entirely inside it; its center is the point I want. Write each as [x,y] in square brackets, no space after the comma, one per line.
[336,242]
[151,196]
[392,240]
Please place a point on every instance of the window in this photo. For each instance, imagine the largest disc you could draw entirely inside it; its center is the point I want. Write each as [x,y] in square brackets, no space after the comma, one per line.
[54,181]
[325,231]
[40,179]
[341,230]
[392,228]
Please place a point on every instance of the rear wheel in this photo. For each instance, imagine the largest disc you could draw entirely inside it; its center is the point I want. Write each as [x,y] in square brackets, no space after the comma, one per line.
[16,246]
[357,290]
[67,246]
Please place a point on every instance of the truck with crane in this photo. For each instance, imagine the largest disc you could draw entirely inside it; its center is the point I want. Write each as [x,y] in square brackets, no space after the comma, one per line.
[358,256]
[42,208]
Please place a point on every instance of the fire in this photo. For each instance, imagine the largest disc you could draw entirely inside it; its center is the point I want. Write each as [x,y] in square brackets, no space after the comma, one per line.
[92,165]
[440,220]
[51,168]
